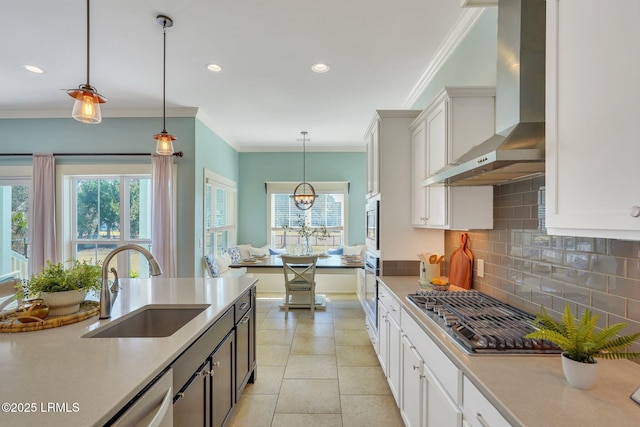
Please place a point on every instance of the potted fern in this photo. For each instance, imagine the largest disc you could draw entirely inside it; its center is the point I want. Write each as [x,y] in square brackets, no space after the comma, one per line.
[64,289]
[581,343]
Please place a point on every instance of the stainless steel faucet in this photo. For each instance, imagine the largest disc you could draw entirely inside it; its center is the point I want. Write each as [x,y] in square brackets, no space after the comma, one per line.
[106,302]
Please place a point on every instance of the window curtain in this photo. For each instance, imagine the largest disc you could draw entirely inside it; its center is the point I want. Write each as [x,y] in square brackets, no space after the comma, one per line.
[42,225]
[163,224]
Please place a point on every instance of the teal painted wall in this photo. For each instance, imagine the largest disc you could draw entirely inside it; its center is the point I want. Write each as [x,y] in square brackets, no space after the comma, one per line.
[214,154]
[473,63]
[257,168]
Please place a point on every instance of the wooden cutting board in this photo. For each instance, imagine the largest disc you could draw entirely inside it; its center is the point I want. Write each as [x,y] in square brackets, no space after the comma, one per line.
[461,264]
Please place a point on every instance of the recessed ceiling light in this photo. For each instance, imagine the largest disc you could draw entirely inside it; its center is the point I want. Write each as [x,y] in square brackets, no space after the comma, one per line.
[214,68]
[320,68]
[33,69]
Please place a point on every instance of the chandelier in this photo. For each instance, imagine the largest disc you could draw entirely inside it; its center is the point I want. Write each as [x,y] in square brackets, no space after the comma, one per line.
[304,195]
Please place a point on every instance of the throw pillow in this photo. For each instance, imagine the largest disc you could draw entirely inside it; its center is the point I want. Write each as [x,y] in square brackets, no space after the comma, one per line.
[263,251]
[234,253]
[277,251]
[223,263]
[351,250]
[335,251]
[212,266]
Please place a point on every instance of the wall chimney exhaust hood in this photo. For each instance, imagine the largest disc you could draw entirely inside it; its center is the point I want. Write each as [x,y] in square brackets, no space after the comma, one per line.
[516,151]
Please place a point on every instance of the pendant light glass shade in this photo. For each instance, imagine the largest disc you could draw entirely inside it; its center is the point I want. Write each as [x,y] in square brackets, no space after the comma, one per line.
[164,141]
[86,108]
[304,195]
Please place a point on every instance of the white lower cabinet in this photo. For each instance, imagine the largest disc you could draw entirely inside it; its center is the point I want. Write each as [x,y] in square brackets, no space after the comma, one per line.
[478,411]
[389,341]
[427,399]
[413,391]
[441,408]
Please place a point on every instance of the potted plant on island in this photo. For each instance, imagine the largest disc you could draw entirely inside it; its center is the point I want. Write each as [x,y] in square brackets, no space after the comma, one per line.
[64,289]
[581,343]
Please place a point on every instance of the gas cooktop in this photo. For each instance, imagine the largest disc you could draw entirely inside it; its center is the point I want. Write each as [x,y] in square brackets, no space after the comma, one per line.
[481,324]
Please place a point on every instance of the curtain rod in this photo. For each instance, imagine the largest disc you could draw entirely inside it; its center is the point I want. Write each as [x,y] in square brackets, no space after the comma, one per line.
[176,154]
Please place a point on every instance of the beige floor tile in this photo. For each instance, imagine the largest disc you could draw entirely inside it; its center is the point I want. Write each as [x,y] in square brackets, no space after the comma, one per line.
[260,317]
[268,380]
[349,323]
[315,329]
[352,337]
[275,336]
[272,354]
[278,323]
[350,303]
[362,380]
[307,420]
[308,344]
[369,411]
[253,410]
[357,313]
[356,355]
[306,396]
[311,366]
[319,317]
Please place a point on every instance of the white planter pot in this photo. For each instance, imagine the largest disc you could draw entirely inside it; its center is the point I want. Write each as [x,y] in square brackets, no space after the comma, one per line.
[61,303]
[578,374]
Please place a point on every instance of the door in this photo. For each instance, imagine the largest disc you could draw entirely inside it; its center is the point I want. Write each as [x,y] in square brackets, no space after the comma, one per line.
[412,405]
[191,407]
[222,384]
[244,351]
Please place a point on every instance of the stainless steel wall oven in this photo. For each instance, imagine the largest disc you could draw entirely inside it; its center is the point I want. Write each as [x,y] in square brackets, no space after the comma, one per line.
[373,224]
[371,272]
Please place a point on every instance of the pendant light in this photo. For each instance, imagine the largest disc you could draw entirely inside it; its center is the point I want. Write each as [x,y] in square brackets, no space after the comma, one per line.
[86,108]
[304,195]
[164,140]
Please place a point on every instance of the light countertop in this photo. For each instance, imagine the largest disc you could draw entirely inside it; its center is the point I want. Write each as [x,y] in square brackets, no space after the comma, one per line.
[531,390]
[94,377]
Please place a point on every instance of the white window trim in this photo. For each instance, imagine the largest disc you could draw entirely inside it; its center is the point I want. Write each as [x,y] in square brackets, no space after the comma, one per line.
[320,187]
[216,180]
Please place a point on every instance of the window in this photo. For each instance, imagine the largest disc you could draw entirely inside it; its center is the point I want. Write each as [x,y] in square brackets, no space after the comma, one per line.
[14,227]
[328,212]
[219,213]
[103,207]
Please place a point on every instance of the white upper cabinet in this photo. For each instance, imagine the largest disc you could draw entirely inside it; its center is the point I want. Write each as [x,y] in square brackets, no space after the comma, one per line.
[373,158]
[457,120]
[593,118]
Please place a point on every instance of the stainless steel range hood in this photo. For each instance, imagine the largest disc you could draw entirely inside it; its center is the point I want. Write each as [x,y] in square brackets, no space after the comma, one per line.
[516,151]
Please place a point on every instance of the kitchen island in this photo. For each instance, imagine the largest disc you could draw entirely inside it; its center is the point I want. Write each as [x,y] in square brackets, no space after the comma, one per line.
[531,390]
[89,379]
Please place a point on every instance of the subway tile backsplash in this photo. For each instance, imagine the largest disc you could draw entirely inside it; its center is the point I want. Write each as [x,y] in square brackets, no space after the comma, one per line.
[528,268]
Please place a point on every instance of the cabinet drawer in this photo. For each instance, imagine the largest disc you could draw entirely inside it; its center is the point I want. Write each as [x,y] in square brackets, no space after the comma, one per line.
[243,306]
[443,369]
[478,411]
[189,361]
[390,302]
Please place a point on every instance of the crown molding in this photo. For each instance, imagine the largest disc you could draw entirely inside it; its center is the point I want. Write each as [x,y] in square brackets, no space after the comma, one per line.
[213,125]
[296,149]
[106,113]
[465,23]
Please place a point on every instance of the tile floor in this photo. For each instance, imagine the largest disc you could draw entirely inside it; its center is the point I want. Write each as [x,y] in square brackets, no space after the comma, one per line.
[315,372]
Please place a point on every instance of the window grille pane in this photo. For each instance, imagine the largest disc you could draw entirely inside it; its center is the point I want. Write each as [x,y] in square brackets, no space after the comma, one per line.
[97,208]
[139,208]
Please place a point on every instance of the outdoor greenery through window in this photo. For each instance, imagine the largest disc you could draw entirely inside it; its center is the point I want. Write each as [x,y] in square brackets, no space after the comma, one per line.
[108,212]
[323,224]
[14,227]
[219,213]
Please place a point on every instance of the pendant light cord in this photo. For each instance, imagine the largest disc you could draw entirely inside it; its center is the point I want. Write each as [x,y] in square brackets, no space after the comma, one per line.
[304,157]
[164,78]
[88,35]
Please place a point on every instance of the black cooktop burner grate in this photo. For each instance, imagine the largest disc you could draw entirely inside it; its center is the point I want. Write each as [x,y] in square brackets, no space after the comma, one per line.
[482,324]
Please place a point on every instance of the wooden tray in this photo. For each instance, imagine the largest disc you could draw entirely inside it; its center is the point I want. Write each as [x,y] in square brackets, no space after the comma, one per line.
[9,323]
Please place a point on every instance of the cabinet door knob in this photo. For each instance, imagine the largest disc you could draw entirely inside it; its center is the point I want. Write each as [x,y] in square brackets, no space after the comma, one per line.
[216,363]
[481,420]
[635,211]
[416,367]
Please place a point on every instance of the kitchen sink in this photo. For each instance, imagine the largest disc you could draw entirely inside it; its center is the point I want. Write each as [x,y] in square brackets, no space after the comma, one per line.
[151,321]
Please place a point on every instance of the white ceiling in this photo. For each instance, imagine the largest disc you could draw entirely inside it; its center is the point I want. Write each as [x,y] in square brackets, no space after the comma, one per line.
[378,50]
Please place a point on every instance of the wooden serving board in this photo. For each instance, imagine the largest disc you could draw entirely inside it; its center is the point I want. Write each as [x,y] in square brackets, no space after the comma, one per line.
[461,264]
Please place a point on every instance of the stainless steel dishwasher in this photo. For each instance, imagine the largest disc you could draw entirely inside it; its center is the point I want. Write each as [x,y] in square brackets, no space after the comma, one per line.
[153,407]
